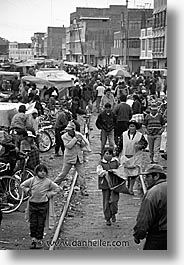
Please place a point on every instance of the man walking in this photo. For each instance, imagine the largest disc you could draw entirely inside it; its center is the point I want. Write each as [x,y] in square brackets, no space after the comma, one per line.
[106,122]
[123,113]
[151,220]
[154,123]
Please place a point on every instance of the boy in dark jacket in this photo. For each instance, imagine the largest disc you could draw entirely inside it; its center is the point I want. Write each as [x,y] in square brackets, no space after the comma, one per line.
[110,198]
[106,122]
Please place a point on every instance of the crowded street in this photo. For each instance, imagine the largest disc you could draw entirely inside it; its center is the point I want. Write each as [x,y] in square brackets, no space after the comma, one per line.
[83,132]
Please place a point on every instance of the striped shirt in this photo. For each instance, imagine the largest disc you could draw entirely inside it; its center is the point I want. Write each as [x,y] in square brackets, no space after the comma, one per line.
[154,124]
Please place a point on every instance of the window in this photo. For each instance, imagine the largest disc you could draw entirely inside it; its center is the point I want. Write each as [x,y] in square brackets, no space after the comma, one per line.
[143,45]
[149,44]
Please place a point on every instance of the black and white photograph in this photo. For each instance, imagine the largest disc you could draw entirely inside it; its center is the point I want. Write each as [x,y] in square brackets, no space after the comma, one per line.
[83,126]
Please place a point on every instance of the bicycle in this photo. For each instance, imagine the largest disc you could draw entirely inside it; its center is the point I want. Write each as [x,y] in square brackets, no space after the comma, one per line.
[24,173]
[49,128]
[11,195]
[45,140]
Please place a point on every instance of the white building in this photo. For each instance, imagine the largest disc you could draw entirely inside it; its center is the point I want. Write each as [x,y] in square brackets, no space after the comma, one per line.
[20,51]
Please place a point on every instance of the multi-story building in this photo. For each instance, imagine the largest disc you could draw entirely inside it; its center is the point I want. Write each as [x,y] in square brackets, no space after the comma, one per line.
[38,41]
[127,45]
[4,46]
[98,33]
[160,34]
[90,40]
[20,51]
[146,38]
[55,38]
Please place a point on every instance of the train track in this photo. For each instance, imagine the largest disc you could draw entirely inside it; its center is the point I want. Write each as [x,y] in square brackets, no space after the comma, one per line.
[63,213]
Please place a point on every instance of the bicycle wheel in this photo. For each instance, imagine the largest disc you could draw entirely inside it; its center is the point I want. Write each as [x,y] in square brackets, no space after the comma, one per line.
[22,176]
[45,141]
[11,194]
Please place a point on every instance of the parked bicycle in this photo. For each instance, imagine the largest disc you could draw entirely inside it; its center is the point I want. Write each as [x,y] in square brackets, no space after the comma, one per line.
[11,195]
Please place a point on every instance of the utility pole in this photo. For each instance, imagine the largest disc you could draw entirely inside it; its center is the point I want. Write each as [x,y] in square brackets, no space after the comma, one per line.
[126,35]
[82,51]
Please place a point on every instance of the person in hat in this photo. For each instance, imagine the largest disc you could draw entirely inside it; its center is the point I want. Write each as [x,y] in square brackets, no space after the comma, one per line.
[154,126]
[130,139]
[151,222]
[73,156]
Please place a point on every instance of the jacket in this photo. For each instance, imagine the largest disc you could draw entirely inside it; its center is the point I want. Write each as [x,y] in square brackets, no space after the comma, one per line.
[73,150]
[102,168]
[152,216]
[123,112]
[106,122]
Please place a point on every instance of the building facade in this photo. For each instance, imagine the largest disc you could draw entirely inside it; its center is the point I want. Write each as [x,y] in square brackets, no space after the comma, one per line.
[38,43]
[127,44]
[56,36]
[4,49]
[97,34]
[160,34]
[20,51]
[146,42]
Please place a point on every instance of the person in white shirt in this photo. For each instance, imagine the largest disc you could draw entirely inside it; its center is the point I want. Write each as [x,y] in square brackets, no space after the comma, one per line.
[100,93]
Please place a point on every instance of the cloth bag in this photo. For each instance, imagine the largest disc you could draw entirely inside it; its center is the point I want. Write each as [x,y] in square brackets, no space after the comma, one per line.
[116,183]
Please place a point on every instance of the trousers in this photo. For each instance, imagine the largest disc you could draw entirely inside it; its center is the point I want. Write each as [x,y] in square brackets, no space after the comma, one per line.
[110,203]
[65,170]
[37,217]
[154,143]
[107,136]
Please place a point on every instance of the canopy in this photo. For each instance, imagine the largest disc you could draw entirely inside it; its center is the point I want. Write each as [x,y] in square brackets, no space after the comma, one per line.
[60,78]
[6,73]
[117,66]
[8,110]
[91,69]
[119,72]
[39,81]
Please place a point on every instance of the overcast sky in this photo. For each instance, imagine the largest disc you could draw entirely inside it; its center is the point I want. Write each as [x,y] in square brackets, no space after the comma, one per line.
[20,19]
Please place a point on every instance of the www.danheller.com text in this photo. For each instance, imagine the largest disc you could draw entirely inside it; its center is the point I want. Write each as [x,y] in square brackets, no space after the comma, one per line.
[88,243]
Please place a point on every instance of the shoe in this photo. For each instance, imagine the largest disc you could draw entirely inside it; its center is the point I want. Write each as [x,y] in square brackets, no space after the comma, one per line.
[114,218]
[39,244]
[33,244]
[108,222]
[57,155]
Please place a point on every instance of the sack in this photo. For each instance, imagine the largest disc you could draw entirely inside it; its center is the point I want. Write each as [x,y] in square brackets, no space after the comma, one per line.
[116,183]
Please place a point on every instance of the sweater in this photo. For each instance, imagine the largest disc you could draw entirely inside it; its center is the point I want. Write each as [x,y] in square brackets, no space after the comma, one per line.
[154,124]
[41,189]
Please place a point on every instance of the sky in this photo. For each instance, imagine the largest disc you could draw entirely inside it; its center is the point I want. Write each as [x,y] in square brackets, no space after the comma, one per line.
[20,19]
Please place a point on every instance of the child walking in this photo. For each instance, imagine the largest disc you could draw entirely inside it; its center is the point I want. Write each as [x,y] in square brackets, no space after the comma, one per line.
[41,189]
[110,198]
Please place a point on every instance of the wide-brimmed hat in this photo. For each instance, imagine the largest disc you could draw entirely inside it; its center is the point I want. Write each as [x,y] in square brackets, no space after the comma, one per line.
[154,168]
[135,123]
[154,106]
[70,126]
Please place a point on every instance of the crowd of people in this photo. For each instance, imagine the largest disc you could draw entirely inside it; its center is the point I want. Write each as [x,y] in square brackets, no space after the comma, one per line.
[131,114]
